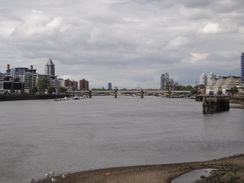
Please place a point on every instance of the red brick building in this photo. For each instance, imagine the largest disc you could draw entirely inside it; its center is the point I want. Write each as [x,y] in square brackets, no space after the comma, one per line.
[84,84]
[71,85]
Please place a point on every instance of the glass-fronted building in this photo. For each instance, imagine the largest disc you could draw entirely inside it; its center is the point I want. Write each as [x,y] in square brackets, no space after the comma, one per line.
[164,81]
[109,86]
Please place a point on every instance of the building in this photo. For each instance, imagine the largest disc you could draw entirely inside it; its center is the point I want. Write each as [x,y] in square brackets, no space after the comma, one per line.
[211,78]
[19,78]
[223,84]
[230,83]
[203,79]
[18,72]
[164,81]
[242,69]
[61,82]
[50,68]
[71,85]
[2,78]
[84,84]
[110,86]
[207,79]
[23,79]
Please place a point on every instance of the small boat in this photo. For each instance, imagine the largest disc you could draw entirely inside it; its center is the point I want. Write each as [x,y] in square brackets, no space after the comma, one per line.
[66,98]
[76,98]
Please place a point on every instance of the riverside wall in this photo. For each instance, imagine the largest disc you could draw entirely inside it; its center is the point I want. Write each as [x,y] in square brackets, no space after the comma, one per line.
[29,97]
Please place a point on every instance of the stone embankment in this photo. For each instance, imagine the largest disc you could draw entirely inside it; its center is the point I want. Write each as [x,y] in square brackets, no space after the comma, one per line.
[29,97]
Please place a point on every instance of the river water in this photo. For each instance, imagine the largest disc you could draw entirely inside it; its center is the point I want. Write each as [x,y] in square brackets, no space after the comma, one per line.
[40,136]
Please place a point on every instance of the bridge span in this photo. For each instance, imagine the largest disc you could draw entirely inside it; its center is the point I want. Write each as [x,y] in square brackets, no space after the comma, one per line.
[141,92]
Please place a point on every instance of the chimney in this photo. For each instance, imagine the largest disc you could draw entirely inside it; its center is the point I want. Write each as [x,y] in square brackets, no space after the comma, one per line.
[8,66]
[31,67]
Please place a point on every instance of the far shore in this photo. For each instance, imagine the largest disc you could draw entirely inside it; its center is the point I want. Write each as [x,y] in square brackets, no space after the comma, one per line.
[230,168]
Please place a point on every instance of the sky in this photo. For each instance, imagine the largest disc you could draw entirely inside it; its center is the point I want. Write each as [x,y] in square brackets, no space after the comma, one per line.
[129,43]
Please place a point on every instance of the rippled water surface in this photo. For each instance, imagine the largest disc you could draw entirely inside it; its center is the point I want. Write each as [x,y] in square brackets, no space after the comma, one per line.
[40,136]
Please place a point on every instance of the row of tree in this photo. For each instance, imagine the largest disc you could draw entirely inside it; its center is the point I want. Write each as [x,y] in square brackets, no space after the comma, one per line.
[43,86]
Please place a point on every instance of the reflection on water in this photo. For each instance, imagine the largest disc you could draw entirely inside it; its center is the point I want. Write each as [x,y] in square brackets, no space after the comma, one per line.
[67,136]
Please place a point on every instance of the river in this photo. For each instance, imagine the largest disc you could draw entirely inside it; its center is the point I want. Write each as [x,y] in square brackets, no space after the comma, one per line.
[40,136]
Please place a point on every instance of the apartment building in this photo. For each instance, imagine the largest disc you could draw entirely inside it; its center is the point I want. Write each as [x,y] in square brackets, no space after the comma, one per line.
[223,84]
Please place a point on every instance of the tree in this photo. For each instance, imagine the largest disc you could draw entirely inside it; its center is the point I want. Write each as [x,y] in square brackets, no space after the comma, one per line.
[34,90]
[62,90]
[42,84]
[51,90]
[189,87]
[234,90]
[220,92]
[194,92]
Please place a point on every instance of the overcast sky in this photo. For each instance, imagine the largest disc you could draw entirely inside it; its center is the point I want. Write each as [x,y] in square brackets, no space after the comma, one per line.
[127,42]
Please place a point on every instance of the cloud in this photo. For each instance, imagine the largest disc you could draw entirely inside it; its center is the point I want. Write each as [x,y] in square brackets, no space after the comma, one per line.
[196,57]
[194,13]
[210,28]
[37,23]
[125,42]
[177,42]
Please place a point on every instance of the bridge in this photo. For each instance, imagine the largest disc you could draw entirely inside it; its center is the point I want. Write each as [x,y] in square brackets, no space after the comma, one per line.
[141,92]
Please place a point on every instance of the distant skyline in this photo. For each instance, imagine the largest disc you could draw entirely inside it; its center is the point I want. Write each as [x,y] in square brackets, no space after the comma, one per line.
[127,43]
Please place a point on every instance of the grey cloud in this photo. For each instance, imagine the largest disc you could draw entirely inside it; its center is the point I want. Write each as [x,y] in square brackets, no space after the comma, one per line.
[123,41]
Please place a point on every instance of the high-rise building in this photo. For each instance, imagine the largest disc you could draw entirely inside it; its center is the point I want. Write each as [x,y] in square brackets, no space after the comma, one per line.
[203,79]
[242,69]
[164,81]
[50,68]
[84,84]
[109,86]
[211,78]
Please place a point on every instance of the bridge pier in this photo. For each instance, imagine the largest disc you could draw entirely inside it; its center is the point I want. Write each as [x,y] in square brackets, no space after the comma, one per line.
[212,104]
[90,94]
[115,93]
[142,94]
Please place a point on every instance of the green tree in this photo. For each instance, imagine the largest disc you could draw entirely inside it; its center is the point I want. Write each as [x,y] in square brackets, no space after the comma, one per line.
[62,90]
[42,84]
[194,92]
[51,90]
[189,87]
[234,90]
[34,90]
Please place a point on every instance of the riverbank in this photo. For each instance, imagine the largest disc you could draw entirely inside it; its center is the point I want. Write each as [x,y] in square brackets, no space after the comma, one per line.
[230,168]
[29,97]
[237,100]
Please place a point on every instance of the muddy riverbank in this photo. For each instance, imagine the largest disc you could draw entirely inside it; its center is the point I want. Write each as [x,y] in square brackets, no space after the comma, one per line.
[230,168]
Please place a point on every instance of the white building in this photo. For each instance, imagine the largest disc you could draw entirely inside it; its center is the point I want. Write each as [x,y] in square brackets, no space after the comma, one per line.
[211,78]
[203,79]
[61,82]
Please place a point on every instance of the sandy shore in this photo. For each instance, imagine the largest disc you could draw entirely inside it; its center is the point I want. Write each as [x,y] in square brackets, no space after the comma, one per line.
[154,173]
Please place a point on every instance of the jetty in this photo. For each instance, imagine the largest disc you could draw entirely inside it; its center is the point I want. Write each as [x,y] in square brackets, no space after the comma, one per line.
[212,104]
